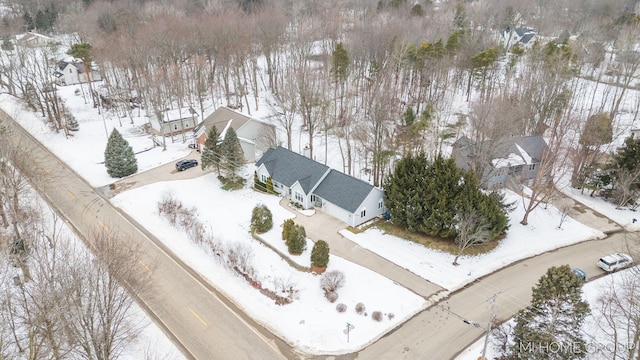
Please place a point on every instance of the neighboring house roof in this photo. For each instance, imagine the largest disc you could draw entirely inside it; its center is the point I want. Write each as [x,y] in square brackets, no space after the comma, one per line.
[287,167]
[221,118]
[177,114]
[33,39]
[78,65]
[343,190]
[507,152]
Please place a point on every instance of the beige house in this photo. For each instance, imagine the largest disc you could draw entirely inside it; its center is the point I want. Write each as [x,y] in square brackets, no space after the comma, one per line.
[255,136]
[33,39]
[174,121]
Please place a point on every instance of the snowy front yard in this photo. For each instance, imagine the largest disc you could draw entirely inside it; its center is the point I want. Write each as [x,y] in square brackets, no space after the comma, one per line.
[310,323]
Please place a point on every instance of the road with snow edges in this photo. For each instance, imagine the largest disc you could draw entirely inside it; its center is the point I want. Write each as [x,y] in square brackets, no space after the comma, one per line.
[202,323]
[205,325]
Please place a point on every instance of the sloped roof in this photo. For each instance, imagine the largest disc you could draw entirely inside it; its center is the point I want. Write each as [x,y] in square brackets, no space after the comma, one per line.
[287,167]
[343,190]
[221,117]
[513,151]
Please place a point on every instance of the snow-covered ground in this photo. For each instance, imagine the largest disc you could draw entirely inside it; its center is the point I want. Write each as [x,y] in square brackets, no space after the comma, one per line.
[542,234]
[311,323]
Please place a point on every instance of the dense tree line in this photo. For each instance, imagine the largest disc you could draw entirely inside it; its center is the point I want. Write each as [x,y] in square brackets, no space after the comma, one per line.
[380,77]
[435,197]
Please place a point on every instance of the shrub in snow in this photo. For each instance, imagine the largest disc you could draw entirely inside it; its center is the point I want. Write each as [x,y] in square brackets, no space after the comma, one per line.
[360,308]
[390,316]
[296,240]
[377,316]
[320,254]
[331,281]
[261,219]
[286,227]
[332,296]
[341,308]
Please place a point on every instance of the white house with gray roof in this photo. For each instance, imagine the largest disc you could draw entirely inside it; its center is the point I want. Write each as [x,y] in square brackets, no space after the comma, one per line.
[314,185]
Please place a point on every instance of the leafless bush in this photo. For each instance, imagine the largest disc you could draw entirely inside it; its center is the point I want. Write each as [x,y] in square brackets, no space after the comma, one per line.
[187,217]
[286,286]
[168,207]
[390,316]
[197,232]
[332,296]
[331,281]
[341,308]
[377,316]
[360,308]
[239,256]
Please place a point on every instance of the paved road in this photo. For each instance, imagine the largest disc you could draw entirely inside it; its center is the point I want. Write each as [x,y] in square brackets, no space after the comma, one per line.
[201,322]
[438,333]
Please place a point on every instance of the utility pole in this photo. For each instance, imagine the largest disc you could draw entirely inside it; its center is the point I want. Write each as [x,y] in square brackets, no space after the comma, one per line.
[492,301]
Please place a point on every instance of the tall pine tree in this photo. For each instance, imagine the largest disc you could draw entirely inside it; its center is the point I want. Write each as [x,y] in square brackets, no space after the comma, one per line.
[550,328]
[232,154]
[211,152]
[119,157]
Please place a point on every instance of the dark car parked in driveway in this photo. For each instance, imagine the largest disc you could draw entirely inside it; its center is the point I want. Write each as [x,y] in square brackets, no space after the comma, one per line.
[185,164]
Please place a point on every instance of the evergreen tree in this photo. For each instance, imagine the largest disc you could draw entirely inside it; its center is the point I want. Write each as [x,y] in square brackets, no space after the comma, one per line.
[232,155]
[320,254]
[119,157]
[340,62]
[296,240]
[19,249]
[28,21]
[211,152]
[261,219]
[286,227]
[7,45]
[269,186]
[427,197]
[550,328]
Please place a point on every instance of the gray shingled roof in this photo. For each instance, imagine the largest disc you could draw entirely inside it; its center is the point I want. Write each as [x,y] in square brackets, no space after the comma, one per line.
[534,145]
[287,167]
[343,190]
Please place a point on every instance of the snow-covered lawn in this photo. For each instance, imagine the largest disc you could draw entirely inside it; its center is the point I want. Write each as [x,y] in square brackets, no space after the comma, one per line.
[83,151]
[541,235]
[311,323]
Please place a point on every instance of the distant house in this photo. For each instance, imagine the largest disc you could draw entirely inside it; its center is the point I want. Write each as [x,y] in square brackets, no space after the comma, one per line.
[72,72]
[255,136]
[521,35]
[314,185]
[33,39]
[174,121]
[512,158]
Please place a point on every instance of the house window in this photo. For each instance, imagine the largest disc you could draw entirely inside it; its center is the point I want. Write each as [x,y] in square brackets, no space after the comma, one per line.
[380,204]
[263,178]
[299,197]
[313,198]
[363,212]
[532,167]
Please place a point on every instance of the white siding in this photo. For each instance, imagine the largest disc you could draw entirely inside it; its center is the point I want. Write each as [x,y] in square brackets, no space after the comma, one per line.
[262,134]
[370,203]
[306,199]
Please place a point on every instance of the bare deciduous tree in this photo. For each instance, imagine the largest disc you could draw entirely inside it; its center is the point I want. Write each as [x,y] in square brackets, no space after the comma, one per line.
[472,230]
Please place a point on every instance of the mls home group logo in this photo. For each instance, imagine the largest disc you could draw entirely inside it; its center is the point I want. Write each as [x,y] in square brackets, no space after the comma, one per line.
[575,348]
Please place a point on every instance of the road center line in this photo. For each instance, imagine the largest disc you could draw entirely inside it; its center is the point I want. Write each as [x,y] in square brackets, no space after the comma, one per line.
[144,265]
[197,317]
[104,226]
[72,196]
